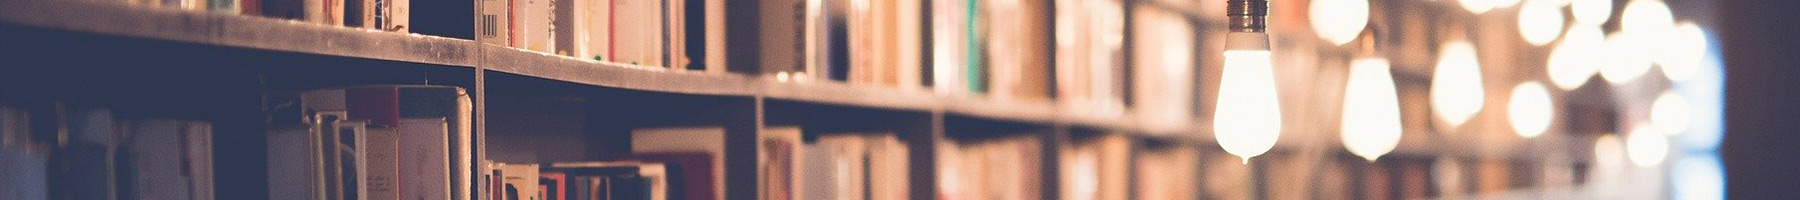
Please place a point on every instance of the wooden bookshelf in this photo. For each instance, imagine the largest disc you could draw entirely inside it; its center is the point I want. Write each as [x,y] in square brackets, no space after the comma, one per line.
[922,115]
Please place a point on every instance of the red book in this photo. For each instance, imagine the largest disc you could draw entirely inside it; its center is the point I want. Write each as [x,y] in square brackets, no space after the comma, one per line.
[379,105]
[552,184]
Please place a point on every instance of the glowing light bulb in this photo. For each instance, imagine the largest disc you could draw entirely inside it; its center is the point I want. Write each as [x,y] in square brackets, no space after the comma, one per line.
[1645,147]
[1670,113]
[1482,6]
[1683,51]
[1248,119]
[1626,57]
[1530,109]
[1591,12]
[1371,123]
[1646,16]
[1456,92]
[1339,21]
[1576,58]
[1476,6]
[1540,21]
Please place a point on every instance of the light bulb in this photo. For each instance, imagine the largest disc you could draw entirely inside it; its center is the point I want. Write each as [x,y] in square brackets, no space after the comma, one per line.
[1683,51]
[1247,120]
[1591,12]
[1530,110]
[1670,113]
[1645,147]
[1646,16]
[1371,123]
[1339,21]
[1626,57]
[1482,6]
[1456,92]
[1540,21]
[1576,58]
[1476,6]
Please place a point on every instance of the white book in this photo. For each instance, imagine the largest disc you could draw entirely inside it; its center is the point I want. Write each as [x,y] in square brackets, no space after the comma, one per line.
[382,163]
[593,29]
[295,163]
[493,24]
[709,140]
[199,148]
[424,155]
[639,32]
[151,157]
[532,20]
[949,46]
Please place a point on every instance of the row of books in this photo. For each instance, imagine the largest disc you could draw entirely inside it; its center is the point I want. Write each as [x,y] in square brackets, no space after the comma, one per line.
[1007,49]
[438,18]
[1072,52]
[55,151]
[370,142]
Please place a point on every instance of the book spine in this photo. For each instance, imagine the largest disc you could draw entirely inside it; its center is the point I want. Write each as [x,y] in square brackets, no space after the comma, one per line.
[381,162]
[85,166]
[424,159]
[294,164]
[199,161]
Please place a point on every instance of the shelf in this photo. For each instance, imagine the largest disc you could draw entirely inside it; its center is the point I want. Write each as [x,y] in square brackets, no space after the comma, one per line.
[289,36]
[250,32]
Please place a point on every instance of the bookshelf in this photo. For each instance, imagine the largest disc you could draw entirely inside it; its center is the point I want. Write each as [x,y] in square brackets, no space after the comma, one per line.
[609,94]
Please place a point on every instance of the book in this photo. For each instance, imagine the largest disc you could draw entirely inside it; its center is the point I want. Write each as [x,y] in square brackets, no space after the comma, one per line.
[779,157]
[1167,172]
[1096,167]
[622,179]
[992,168]
[295,162]
[166,159]
[531,24]
[83,166]
[329,12]
[351,158]
[1162,76]
[854,166]
[706,140]
[637,31]
[583,29]
[385,15]
[1019,47]
[950,48]
[1089,56]
[521,181]
[422,148]
[24,160]
[554,185]
[493,22]
[690,175]
[424,157]
[382,163]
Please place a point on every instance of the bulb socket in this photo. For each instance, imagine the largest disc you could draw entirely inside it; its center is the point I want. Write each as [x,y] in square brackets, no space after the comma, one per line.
[1247,15]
